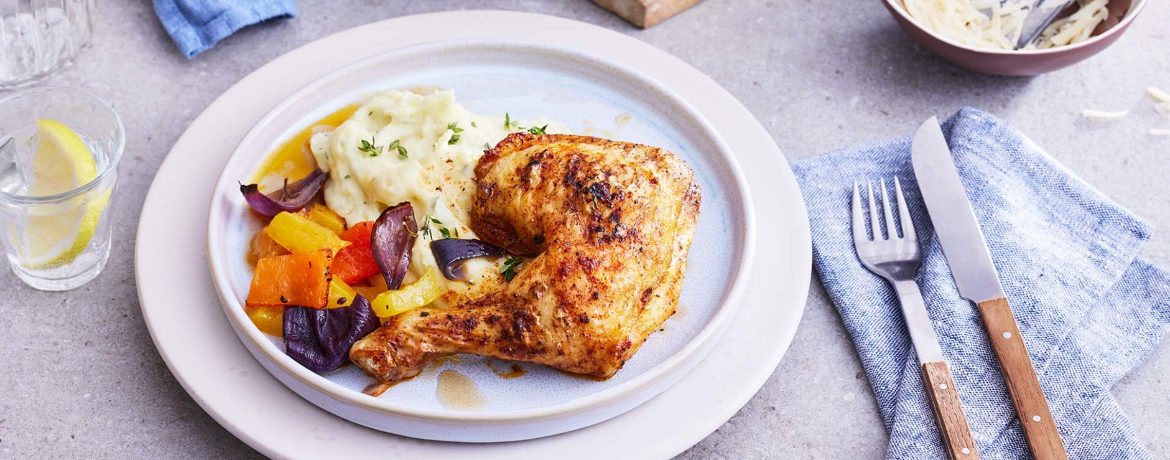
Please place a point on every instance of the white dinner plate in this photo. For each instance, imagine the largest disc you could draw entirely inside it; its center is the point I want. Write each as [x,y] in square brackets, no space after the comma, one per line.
[526,80]
[227,382]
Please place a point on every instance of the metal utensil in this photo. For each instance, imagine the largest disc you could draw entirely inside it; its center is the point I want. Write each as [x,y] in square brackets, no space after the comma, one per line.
[897,259]
[975,275]
[1041,14]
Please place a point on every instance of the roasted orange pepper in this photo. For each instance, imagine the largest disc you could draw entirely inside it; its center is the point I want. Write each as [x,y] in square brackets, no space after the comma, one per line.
[298,279]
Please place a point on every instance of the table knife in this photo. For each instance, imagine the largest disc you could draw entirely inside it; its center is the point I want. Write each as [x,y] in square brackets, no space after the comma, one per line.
[975,275]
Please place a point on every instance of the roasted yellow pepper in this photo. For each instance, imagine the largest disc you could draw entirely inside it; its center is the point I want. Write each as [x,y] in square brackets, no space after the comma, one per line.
[377,287]
[270,320]
[299,234]
[417,294]
[340,294]
[325,217]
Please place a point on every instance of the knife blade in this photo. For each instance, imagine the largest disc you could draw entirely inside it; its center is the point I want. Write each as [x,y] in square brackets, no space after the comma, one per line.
[954,219]
[966,252]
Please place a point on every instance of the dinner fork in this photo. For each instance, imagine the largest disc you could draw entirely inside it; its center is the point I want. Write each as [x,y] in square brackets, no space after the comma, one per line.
[896,259]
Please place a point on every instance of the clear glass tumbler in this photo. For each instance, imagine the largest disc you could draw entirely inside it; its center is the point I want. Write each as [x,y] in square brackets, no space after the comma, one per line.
[37,37]
[59,152]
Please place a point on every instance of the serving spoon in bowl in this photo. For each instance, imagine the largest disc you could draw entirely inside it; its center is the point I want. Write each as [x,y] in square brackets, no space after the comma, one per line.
[1022,62]
[1040,15]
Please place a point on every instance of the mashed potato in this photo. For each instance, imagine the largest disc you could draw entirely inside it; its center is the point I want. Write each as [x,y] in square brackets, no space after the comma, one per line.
[403,146]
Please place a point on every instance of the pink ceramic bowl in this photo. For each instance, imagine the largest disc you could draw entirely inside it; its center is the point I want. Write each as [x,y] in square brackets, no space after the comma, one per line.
[1020,63]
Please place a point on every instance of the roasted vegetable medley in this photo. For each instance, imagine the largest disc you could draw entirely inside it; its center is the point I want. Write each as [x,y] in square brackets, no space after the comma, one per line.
[323,285]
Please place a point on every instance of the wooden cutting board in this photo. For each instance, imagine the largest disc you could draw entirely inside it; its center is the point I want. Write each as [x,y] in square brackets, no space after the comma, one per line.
[646,13]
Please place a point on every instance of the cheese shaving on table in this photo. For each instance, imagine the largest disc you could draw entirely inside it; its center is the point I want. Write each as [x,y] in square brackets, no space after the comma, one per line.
[1104,114]
[1160,132]
[997,25]
[1158,95]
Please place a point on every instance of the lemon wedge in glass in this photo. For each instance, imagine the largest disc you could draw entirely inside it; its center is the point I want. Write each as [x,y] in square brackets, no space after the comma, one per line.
[59,233]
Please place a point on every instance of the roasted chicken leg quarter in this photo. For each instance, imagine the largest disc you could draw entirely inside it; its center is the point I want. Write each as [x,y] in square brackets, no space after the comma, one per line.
[609,224]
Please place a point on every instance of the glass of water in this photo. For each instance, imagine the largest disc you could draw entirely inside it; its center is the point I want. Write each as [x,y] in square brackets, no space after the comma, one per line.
[59,152]
[37,37]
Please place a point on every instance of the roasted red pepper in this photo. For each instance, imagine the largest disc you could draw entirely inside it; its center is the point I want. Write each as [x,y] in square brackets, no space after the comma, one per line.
[355,262]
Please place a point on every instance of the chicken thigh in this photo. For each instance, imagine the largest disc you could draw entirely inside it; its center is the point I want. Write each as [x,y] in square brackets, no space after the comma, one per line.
[609,225]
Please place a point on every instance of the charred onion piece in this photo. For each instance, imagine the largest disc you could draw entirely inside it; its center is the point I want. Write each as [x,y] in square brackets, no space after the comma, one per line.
[319,339]
[391,239]
[451,253]
[290,198]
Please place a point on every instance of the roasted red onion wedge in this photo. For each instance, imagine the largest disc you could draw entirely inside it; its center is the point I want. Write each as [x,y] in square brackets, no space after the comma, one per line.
[451,253]
[320,339]
[390,241]
[290,198]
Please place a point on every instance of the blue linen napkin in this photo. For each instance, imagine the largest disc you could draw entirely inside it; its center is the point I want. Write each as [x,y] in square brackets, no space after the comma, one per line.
[1089,309]
[197,25]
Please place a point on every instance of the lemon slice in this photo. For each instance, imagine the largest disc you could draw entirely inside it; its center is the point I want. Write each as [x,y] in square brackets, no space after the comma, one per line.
[62,163]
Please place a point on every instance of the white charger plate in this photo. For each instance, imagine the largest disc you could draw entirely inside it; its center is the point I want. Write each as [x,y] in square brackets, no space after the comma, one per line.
[526,80]
[226,381]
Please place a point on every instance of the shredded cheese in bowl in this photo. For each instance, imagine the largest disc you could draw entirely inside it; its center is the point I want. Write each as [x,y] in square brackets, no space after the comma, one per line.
[1075,28]
[996,24]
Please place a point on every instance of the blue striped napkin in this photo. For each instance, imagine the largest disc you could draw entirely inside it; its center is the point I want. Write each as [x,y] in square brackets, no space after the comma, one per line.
[197,25]
[1089,308]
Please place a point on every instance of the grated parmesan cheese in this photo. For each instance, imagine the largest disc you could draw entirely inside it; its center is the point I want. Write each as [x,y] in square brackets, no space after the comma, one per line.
[1158,95]
[997,25]
[1104,114]
[1077,27]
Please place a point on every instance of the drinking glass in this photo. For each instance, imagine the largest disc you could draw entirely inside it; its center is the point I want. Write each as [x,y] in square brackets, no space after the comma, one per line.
[37,37]
[58,241]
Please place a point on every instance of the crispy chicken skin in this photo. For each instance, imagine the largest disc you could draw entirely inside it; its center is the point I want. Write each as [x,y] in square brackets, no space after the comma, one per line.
[609,224]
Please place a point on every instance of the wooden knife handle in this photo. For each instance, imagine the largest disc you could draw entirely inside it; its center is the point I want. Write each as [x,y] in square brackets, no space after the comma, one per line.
[948,412]
[1039,427]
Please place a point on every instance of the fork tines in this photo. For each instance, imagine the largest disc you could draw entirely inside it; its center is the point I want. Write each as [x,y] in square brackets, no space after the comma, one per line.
[860,233]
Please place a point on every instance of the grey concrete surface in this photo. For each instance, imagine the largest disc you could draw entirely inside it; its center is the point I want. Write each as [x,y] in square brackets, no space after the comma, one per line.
[79,375]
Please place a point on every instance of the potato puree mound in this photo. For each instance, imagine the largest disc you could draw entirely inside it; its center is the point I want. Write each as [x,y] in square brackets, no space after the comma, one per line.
[402,146]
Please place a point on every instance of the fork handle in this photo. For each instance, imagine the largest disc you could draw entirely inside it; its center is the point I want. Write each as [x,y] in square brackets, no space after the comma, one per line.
[948,412]
[936,375]
[1023,386]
